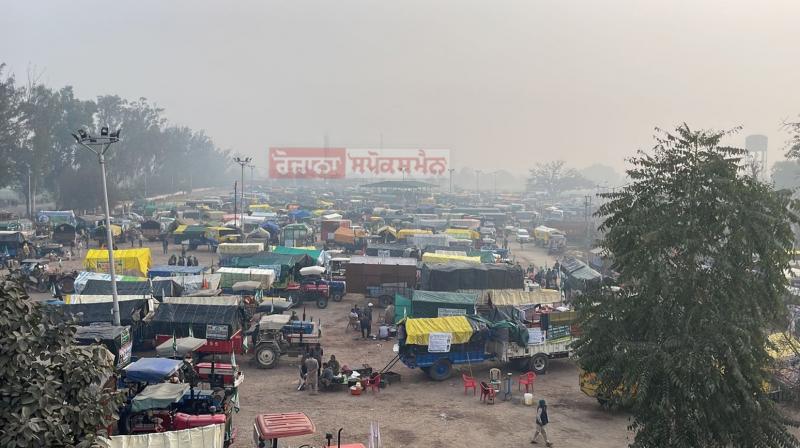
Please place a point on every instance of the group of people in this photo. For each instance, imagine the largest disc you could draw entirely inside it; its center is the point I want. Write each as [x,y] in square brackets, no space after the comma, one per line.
[546,277]
[183,260]
[364,318]
[313,372]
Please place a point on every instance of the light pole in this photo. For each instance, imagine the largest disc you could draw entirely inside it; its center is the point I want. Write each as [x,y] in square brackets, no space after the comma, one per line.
[99,146]
[243,162]
[451,179]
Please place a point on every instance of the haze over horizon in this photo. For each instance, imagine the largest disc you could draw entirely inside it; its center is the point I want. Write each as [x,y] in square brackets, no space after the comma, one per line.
[502,84]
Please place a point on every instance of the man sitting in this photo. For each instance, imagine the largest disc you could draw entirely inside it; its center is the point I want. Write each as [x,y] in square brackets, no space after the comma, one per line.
[334,365]
[327,375]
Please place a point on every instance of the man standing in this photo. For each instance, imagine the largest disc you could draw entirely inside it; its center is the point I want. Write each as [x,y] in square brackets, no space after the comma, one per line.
[541,422]
[312,376]
[165,244]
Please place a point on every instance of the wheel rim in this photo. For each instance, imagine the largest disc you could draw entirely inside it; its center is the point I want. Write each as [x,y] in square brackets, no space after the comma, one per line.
[539,363]
[266,357]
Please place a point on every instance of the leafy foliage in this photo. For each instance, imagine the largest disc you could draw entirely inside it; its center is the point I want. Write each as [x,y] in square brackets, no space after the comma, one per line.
[153,156]
[701,249]
[50,389]
[553,179]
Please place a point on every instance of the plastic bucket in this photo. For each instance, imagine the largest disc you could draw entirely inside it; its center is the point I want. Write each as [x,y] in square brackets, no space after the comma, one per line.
[528,399]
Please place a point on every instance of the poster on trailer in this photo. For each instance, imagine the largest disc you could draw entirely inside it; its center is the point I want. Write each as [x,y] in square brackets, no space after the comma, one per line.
[348,163]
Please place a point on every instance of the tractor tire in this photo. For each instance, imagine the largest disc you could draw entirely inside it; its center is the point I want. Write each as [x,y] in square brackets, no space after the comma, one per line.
[337,297]
[267,357]
[322,302]
[42,287]
[441,370]
[539,363]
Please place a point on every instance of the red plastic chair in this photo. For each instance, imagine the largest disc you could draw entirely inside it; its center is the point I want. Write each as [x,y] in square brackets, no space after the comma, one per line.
[527,379]
[487,393]
[373,383]
[469,382]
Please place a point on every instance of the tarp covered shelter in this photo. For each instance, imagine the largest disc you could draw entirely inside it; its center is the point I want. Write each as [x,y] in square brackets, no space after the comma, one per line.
[579,274]
[211,436]
[230,276]
[463,234]
[314,254]
[389,249]
[440,303]
[84,276]
[432,257]
[134,262]
[418,330]
[166,270]
[405,233]
[152,370]
[375,271]
[346,236]
[456,276]
[176,318]
[159,288]
[130,311]
[516,297]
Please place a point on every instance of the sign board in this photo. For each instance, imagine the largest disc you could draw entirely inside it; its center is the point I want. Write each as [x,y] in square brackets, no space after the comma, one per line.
[535,336]
[439,342]
[217,332]
[558,332]
[348,163]
[125,353]
[384,253]
[444,312]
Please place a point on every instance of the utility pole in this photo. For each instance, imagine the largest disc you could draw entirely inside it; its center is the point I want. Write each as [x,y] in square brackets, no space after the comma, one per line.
[451,179]
[242,162]
[103,142]
[586,207]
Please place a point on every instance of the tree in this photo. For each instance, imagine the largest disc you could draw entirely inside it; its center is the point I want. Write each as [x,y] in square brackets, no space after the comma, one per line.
[553,179]
[786,174]
[51,390]
[12,130]
[701,248]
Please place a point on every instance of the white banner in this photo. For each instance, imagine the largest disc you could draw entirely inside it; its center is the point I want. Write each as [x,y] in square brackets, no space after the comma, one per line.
[439,342]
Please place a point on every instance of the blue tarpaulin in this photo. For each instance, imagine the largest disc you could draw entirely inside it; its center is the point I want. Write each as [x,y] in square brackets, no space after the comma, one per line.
[166,270]
[152,370]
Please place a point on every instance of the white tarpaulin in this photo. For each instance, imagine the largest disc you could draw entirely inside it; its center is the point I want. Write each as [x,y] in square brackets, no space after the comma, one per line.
[210,300]
[192,283]
[212,436]
[77,299]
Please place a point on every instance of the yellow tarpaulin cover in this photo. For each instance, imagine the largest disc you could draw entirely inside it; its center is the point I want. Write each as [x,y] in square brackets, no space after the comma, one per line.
[784,346]
[513,297]
[180,229]
[405,233]
[417,330]
[431,257]
[464,234]
[392,231]
[134,262]
[260,207]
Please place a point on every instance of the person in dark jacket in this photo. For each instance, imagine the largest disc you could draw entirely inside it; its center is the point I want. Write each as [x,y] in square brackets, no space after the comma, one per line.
[541,422]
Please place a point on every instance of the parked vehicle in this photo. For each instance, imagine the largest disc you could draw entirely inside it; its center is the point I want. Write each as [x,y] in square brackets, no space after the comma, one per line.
[152,230]
[268,428]
[276,334]
[523,236]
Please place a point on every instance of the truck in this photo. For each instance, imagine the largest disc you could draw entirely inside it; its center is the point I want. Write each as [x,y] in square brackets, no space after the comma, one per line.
[463,339]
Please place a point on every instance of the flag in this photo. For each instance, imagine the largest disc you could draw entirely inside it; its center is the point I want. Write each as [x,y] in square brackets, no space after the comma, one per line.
[191,333]
[245,344]
[233,358]
[174,344]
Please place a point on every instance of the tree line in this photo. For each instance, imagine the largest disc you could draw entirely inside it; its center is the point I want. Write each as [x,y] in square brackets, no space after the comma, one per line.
[38,154]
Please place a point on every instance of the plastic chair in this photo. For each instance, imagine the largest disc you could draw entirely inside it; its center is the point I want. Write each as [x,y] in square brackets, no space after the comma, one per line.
[527,379]
[352,322]
[487,393]
[373,383]
[469,382]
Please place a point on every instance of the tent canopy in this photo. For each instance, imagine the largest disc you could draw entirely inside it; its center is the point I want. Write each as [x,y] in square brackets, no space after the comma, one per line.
[441,297]
[417,330]
[158,396]
[313,253]
[166,270]
[152,370]
[127,261]
[515,297]
[404,233]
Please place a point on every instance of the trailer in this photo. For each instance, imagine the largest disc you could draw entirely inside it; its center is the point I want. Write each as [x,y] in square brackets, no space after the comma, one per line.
[530,357]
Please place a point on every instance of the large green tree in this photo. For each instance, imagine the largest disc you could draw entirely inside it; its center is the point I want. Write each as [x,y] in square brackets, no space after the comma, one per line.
[51,390]
[701,249]
[554,178]
[12,129]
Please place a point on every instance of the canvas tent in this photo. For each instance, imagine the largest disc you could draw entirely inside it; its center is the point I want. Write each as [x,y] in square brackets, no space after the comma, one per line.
[440,304]
[516,297]
[456,276]
[418,330]
[134,262]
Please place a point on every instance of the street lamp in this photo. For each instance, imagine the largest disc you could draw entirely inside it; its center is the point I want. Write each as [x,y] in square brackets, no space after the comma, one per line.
[451,170]
[99,146]
[243,162]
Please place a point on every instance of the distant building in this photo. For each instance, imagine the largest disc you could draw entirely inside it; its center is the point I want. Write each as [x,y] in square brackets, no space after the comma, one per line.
[756,146]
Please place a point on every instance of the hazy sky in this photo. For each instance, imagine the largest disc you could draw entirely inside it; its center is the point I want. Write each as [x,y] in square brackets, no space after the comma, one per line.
[501,83]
